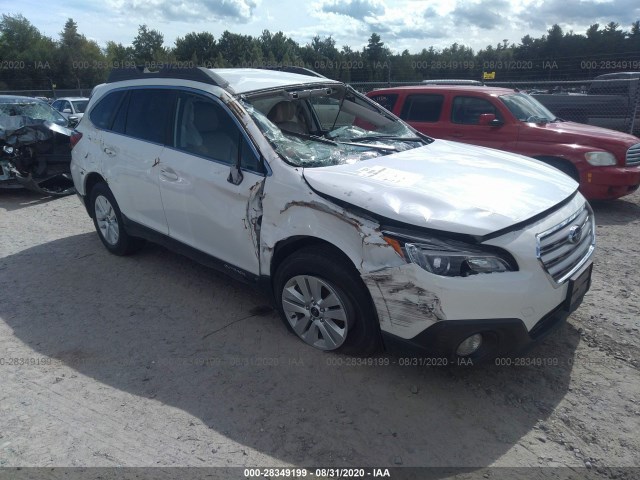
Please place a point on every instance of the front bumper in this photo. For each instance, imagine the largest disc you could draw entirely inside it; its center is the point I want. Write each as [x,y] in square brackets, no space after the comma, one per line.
[607,183]
[501,337]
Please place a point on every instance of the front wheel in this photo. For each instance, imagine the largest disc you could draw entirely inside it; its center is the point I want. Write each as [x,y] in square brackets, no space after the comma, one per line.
[324,302]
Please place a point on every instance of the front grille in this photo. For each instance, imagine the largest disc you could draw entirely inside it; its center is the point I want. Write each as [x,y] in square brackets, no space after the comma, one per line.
[633,155]
[565,248]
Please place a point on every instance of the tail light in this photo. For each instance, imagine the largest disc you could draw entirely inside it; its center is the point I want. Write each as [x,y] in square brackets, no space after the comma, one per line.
[75,138]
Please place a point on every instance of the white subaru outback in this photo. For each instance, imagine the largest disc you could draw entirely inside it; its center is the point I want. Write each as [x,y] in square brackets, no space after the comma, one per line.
[364,232]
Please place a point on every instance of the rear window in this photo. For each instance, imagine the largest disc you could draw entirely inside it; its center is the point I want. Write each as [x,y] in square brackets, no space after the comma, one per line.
[149,114]
[387,100]
[422,108]
[102,114]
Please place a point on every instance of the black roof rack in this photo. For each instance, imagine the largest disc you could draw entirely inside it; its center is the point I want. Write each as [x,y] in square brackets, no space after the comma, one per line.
[293,69]
[196,74]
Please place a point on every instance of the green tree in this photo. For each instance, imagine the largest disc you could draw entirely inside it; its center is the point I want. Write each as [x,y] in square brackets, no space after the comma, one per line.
[147,46]
[29,55]
[200,47]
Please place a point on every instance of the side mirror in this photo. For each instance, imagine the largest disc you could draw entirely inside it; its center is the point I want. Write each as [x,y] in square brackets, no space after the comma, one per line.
[73,121]
[489,119]
[235,175]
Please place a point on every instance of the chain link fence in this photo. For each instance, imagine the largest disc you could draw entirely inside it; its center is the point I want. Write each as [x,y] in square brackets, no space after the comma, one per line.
[50,94]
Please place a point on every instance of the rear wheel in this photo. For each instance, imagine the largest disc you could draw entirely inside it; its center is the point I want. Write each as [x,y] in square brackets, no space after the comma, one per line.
[324,302]
[108,222]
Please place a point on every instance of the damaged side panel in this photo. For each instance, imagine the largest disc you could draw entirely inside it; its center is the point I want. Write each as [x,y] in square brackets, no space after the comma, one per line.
[403,306]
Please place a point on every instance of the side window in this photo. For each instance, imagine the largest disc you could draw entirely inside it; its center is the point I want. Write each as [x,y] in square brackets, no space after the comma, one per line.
[56,105]
[422,108]
[149,114]
[103,112]
[66,106]
[204,128]
[249,160]
[467,110]
[387,100]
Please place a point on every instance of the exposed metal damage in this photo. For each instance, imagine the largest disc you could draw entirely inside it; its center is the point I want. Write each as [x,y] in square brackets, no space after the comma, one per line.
[395,290]
[35,154]
[254,215]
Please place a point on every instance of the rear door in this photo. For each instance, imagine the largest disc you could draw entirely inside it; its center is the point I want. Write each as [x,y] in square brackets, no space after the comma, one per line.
[424,112]
[131,149]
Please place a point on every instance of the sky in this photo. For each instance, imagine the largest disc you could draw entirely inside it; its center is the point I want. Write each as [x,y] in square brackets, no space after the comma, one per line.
[402,24]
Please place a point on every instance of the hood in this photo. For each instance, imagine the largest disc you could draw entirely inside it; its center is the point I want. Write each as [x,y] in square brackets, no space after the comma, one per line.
[447,186]
[19,130]
[579,133]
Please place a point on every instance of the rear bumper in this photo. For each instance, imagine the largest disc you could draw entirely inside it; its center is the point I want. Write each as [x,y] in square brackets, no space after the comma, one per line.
[605,183]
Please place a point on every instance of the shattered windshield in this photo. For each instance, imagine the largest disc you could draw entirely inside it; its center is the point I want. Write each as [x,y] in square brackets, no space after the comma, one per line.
[36,110]
[527,109]
[328,126]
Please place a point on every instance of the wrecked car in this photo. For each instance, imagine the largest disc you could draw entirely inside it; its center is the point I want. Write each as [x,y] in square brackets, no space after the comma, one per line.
[364,232]
[35,152]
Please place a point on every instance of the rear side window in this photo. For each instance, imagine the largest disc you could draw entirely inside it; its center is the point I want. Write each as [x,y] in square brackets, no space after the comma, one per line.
[149,114]
[422,108]
[467,110]
[387,100]
[103,113]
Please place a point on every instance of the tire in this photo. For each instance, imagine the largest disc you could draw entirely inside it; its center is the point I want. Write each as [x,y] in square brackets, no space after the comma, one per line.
[108,222]
[343,320]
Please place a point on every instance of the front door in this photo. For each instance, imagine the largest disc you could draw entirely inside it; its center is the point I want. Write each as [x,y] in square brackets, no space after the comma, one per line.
[204,209]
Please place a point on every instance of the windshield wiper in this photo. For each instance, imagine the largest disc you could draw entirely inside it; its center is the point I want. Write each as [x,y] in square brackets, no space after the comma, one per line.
[387,137]
[309,137]
[388,148]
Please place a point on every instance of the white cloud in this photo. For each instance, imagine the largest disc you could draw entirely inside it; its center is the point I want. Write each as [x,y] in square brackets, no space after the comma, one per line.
[181,10]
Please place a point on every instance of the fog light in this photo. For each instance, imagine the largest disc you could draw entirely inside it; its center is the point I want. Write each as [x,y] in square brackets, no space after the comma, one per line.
[469,345]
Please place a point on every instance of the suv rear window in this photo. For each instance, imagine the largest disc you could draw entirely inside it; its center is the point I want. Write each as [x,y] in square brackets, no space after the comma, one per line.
[422,108]
[149,113]
[102,114]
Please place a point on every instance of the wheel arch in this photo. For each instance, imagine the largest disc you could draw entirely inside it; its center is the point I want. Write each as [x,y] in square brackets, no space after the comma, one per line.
[563,164]
[91,181]
[288,246]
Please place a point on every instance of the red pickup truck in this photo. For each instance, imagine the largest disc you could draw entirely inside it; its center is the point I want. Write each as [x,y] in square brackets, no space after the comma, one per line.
[605,163]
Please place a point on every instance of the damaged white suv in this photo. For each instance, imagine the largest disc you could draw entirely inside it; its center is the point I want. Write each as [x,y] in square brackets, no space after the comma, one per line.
[364,232]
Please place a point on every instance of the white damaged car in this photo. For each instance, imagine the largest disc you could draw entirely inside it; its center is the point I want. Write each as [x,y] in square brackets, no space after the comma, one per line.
[365,233]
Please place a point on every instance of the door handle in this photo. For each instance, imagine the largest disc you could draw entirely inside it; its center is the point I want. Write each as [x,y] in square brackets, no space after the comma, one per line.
[109,151]
[457,134]
[168,174]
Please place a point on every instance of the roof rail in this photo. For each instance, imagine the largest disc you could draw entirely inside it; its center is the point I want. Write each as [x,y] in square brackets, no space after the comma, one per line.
[140,72]
[293,69]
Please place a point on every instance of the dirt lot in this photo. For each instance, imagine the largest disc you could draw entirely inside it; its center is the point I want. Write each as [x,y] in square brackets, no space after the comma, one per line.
[154,360]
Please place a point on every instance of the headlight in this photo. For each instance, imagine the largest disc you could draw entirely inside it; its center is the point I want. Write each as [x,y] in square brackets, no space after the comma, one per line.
[600,159]
[451,258]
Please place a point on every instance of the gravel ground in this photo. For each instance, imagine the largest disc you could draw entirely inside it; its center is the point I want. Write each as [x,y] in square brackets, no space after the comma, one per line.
[154,360]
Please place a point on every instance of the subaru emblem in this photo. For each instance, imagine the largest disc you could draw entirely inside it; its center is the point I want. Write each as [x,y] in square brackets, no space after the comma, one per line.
[575,234]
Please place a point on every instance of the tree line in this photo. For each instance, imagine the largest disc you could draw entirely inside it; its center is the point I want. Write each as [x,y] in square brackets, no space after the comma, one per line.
[31,60]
